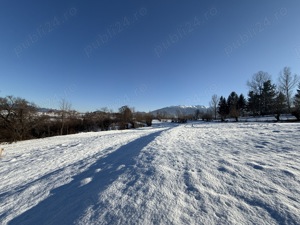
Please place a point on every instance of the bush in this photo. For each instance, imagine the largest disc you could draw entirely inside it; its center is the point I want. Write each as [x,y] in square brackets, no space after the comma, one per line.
[296,113]
[207,117]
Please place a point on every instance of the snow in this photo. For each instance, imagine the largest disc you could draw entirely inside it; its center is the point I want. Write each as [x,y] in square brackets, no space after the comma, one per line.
[184,110]
[196,173]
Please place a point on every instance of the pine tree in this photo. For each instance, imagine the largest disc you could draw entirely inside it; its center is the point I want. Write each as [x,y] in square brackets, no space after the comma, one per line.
[253,104]
[296,111]
[223,109]
[280,105]
[256,87]
[242,104]
[297,98]
[232,103]
[268,98]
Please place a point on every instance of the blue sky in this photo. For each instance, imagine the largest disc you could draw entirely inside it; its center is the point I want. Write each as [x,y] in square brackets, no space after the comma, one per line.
[145,54]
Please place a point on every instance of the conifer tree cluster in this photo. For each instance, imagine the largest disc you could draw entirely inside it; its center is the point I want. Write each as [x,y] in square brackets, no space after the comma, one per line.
[234,106]
[264,97]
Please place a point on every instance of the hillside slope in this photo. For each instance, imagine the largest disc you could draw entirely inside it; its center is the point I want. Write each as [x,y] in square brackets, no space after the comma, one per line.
[175,111]
[189,174]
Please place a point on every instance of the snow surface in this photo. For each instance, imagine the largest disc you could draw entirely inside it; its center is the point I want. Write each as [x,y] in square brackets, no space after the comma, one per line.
[201,173]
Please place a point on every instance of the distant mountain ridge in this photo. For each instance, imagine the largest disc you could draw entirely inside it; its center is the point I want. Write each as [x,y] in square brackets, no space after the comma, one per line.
[172,111]
[180,110]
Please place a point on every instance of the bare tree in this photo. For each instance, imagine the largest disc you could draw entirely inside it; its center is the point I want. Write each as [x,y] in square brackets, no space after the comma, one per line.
[287,83]
[17,118]
[65,108]
[145,118]
[126,117]
[256,84]
[149,118]
[214,104]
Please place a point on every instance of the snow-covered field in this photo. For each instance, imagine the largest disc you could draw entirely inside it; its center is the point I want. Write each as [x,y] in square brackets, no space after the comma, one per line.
[201,173]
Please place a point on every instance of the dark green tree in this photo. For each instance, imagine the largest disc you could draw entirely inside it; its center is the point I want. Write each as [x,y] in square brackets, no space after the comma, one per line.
[232,102]
[297,98]
[257,81]
[280,105]
[256,86]
[296,110]
[223,108]
[268,98]
[253,103]
[242,104]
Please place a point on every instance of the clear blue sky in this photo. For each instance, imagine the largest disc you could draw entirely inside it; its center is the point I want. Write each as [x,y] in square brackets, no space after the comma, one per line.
[145,54]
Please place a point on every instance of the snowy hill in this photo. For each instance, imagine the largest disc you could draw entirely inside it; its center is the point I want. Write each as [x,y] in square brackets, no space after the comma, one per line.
[182,110]
[200,173]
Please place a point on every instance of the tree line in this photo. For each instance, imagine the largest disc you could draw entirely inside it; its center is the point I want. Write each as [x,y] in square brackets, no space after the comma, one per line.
[22,120]
[264,98]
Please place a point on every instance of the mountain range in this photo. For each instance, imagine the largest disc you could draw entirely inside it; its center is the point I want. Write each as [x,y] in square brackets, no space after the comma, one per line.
[172,111]
[179,110]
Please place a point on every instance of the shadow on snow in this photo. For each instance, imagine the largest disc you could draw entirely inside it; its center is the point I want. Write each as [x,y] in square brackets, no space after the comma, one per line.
[66,204]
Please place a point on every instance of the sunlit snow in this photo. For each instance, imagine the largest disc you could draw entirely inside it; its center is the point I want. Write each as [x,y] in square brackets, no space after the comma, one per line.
[195,173]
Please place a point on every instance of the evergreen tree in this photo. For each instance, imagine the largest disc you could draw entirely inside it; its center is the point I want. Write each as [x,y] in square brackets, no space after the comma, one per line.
[256,83]
[223,109]
[268,98]
[296,111]
[280,105]
[253,104]
[297,98]
[242,104]
[232,103]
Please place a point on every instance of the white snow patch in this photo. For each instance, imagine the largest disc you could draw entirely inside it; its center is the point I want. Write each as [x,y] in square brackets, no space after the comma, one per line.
[98,170]
[86,181]
[121,167]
